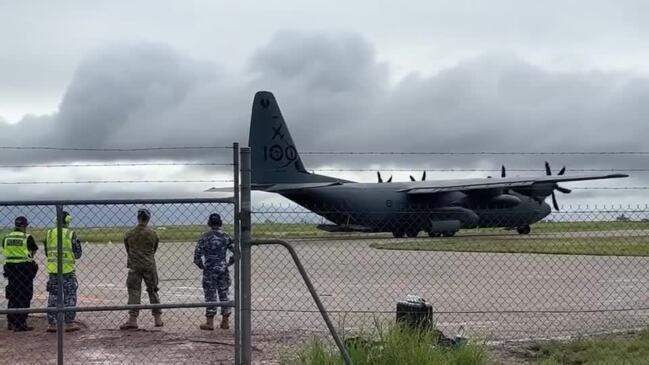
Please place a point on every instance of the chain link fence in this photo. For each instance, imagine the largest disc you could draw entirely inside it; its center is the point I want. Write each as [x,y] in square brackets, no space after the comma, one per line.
[101,276]
[578,272]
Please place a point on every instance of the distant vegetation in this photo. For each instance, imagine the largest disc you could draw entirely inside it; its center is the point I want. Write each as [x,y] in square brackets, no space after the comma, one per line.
[305,230]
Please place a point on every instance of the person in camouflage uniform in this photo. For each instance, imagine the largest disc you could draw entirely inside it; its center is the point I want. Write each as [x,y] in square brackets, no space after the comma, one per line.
[141,244]
[210,256]
[71,252]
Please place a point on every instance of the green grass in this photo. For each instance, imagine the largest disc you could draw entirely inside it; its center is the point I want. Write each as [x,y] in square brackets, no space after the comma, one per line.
[302,230]
[594,351]
[185,233]
[552,227]
[116,234]
[396,345]
[604,246]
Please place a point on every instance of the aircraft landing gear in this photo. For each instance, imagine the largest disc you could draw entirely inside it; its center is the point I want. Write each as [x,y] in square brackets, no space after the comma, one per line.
[523,229]
[398,234]
[412,233]
[442,234]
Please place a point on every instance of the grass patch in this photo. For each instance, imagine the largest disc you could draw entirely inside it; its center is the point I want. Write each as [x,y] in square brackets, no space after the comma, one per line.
[629,349]
[301,230]
[588,226]
[188,233]
[395,345]
[604,246]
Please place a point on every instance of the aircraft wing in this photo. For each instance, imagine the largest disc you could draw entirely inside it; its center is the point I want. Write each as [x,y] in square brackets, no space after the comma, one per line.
[278,188]
[432,187]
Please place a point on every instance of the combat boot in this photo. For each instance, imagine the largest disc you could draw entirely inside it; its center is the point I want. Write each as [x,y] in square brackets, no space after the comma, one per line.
[51,328]
[209,324]
[131,324]
[71,327]
[225,321]
[157,320]
[24,328]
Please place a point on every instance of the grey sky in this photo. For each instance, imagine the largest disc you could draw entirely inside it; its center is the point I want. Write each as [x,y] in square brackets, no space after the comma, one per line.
[421,76]
[44,43]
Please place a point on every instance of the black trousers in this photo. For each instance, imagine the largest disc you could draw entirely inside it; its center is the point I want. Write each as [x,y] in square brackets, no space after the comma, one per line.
[20,290]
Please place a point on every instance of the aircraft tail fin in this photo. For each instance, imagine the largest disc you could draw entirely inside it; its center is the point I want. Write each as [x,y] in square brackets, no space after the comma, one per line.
[275,159]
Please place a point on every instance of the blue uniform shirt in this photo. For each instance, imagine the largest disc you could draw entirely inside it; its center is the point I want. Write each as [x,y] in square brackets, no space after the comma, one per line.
[211,250]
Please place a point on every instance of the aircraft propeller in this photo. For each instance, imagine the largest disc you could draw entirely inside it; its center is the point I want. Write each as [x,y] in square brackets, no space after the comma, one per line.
[378,174]
[556,186]
[423,177]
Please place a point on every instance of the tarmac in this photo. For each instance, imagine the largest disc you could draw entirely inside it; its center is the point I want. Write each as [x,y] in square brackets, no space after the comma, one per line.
[493,296]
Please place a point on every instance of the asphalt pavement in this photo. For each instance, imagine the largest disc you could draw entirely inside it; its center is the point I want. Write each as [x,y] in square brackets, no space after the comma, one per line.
[493,296]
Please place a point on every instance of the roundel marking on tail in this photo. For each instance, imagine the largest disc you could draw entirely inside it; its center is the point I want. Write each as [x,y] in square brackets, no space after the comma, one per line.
[276,152]
[265,103]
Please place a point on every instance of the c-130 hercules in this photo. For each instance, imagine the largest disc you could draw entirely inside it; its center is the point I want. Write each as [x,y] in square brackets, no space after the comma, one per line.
[440,208]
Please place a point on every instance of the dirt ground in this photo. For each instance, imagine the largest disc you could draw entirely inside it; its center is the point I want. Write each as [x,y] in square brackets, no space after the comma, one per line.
[147,345]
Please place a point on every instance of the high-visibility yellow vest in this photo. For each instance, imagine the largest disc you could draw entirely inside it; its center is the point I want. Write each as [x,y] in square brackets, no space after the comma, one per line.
[14,248]
[52,252]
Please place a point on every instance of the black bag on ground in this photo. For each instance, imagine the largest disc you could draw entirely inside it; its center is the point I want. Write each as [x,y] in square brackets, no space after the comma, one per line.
[414,311]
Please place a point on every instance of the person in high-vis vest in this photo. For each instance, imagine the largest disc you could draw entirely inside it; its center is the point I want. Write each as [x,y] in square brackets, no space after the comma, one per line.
[71,252]
[18,249]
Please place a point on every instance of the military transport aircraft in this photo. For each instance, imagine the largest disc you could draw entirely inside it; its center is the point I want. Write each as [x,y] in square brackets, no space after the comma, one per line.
[440,208]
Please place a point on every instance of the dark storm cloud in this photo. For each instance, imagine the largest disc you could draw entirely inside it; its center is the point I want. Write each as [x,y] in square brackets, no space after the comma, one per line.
[496,102]
[144,95]
[336,96]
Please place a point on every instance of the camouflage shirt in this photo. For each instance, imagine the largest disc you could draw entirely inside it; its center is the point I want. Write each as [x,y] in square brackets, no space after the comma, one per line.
[141,244]
[211,250]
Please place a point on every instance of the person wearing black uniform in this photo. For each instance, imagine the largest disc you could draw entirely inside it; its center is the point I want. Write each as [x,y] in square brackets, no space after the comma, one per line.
[18,248]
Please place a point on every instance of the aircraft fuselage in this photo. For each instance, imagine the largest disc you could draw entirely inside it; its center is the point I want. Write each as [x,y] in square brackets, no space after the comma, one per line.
[382,208]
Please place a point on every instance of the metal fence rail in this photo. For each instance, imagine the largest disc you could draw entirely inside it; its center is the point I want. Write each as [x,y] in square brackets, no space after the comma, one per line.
[323,312]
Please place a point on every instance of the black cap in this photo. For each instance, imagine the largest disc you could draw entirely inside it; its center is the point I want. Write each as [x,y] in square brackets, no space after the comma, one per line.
[143,214]
[214,220]
[21,222]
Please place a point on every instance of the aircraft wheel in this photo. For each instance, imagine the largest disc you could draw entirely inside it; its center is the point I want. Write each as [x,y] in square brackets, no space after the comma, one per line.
[523,229]
[434,234]
[448,234]
[412,233]
[398,234]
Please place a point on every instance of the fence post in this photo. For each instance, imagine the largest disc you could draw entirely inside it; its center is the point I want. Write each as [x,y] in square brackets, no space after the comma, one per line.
[246,325]
[59,284]
[237,256]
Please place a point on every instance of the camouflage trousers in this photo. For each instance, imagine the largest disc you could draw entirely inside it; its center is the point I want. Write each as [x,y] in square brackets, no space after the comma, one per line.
[134,285]
[70,286]
[213,283]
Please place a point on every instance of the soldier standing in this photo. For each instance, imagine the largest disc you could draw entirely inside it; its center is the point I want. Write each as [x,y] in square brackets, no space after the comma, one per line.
[210,256]
[141,244]
[18,248]
[71,246]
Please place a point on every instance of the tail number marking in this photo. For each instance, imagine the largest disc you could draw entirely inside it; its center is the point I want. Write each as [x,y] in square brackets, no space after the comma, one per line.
[277,153]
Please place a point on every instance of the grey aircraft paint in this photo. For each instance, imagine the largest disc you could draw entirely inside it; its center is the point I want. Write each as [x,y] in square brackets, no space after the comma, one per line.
[440,207]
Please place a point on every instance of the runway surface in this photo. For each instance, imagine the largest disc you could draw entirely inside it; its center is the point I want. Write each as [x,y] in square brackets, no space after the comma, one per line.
[493,296]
